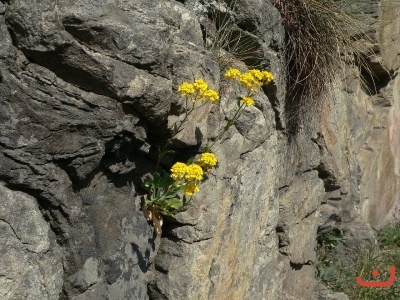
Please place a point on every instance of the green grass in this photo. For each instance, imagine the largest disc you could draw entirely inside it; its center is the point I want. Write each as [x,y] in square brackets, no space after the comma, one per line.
[390,236]
[338,265]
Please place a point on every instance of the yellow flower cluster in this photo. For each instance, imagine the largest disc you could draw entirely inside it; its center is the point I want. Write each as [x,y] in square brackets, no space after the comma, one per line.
[190,188]
[252,79]
[178,170]
[207,159]
[212,95]
[192,174]
[200,86]
[189,172]
[199,89]
[248,101]
[186,88]
[232,73]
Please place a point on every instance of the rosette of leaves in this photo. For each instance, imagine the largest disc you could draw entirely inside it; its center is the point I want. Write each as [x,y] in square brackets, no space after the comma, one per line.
[163,198]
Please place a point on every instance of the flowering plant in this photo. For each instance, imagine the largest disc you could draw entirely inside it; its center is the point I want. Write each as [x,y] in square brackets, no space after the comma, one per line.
[170,193]
[251,81]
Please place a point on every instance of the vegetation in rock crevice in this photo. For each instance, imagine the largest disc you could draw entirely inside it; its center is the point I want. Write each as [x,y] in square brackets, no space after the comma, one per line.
[167,193]
[339,263]
[229,40]
[320,37]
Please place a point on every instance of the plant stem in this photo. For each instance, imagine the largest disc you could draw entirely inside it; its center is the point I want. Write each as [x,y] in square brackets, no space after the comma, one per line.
[228,124]
[177,128]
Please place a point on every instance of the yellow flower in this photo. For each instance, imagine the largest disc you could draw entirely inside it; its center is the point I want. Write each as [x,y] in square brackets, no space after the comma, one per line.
[212,95]
[178,170]
[249,81]
[257,74]
[252,79]
[200,86]
[248,101]
[190,188]
[186,88]
[232,73]
[207,159]
[246,80]
[267,77]
[194,172]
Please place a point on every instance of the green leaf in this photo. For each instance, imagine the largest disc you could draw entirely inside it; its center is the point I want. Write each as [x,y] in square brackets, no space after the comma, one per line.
[166,181]
[176,186]
[175,203]
[166,212]
[173,190]
[147,202]
[156,178]
[169,205]
[170,195]
[169,152]
[190,161]
[162,202]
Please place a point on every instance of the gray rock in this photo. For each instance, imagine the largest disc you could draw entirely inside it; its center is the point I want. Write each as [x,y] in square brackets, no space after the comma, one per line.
[300,283]
[31,261]
[326,294]
[299,218]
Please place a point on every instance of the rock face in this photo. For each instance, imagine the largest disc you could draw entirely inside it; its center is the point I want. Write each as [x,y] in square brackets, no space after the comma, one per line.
[87,94]
[31,261]
[361,131]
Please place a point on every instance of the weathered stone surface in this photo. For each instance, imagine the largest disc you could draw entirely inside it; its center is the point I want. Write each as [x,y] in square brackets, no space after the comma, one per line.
[389,35]
[210,254]
[71,148]
[364,151]
[325,294]
[31,262]
[375,158]
[360,129]
[300,284]
[299,218]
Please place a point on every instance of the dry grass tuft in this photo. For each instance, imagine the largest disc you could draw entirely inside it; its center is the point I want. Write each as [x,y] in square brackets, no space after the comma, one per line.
[320,38]
[226,40]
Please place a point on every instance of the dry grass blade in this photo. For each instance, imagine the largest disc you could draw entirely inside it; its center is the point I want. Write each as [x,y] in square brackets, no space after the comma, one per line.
[320,38]
[229,42]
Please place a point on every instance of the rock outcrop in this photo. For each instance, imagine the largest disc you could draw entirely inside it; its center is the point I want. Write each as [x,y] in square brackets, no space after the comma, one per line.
[88,91]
